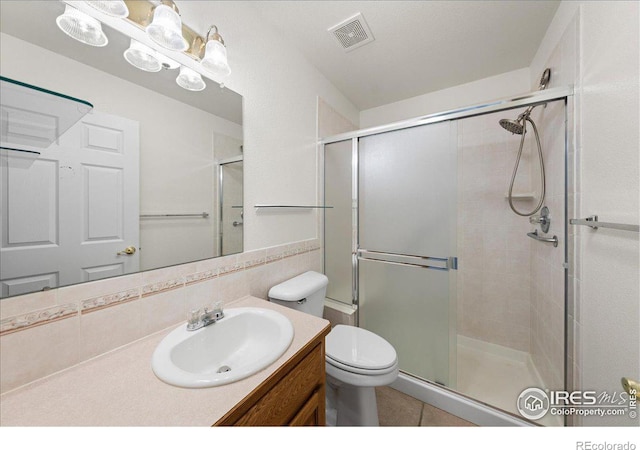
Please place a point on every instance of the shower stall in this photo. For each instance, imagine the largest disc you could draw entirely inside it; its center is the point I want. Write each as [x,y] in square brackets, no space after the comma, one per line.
[422,243]
[231,215]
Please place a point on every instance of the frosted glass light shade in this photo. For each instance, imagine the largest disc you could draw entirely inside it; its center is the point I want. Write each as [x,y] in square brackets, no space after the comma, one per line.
[215,58]
[142,57]
[166,29]
[115,8]
[81,27]
[190,80]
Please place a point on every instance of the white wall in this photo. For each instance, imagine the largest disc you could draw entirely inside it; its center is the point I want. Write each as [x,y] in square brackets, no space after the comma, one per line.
[280,88]
[476,92]
[609,315]
[606,274]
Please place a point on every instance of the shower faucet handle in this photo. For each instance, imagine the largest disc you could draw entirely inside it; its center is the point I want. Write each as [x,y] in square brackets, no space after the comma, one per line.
[544,219]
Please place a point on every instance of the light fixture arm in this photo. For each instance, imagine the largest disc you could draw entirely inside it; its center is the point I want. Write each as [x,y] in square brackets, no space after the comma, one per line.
[216,36]
[196,46]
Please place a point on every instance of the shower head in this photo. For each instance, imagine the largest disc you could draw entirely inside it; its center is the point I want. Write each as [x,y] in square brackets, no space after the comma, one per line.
[513,126]
[518,126]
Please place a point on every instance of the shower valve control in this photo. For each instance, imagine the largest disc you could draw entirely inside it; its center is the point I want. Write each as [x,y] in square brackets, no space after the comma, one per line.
[544,219]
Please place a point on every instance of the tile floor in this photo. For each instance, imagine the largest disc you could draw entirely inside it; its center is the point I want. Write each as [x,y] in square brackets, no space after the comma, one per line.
[396,409]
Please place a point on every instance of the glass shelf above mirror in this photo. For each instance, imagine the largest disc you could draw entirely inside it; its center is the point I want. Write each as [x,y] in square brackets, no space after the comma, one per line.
[34,117]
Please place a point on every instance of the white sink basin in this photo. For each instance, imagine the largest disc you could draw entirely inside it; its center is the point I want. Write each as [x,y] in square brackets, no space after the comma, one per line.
[242,343]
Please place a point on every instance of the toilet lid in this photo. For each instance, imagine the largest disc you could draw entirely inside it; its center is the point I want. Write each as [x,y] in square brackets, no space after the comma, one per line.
[357,347]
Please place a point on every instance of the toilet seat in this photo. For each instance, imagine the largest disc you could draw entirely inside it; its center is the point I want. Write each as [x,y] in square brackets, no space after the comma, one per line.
[359,370]
[360,351]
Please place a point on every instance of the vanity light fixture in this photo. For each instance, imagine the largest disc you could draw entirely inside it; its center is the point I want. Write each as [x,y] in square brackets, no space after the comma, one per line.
[161,22]
[166,27]
[142,57]
[215,54]
[81,27]
[115,8]
[190,80]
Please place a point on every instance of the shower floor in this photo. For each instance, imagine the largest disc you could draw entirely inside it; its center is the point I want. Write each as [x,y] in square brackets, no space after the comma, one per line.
[496,375]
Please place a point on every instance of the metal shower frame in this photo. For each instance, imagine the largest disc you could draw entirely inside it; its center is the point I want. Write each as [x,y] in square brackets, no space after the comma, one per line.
[525,100]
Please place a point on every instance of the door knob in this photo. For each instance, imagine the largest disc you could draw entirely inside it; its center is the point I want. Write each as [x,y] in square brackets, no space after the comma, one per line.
[632,387]
[127,251]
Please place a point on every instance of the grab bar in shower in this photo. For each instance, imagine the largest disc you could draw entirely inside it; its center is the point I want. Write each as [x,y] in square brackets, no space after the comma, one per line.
[593,223]
[537,237]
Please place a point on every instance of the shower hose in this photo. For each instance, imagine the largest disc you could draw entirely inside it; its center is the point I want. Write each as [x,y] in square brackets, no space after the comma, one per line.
[515,169]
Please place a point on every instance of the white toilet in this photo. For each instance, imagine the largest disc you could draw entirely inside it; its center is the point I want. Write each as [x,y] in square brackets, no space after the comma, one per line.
[357,360]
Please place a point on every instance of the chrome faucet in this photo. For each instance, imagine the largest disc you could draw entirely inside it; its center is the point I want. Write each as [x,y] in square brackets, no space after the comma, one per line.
[199,318]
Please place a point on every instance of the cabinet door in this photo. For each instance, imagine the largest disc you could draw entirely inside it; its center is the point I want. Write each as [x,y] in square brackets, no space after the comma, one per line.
[311,414]
[283,402]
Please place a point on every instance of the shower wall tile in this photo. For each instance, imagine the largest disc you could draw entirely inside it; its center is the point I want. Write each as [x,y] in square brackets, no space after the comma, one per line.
[510,288]
[494,253]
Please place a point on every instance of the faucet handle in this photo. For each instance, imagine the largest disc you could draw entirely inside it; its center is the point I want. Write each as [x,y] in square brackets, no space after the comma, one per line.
[218,313]
[544,219]
[194,319]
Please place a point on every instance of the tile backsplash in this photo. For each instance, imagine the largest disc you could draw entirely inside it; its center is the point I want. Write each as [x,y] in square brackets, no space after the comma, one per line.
[46,332]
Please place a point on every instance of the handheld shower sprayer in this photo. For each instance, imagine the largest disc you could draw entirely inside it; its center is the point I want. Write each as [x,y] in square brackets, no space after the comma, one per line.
[519,126]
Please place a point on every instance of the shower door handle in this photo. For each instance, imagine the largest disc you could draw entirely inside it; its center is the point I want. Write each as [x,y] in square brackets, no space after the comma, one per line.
[425,262]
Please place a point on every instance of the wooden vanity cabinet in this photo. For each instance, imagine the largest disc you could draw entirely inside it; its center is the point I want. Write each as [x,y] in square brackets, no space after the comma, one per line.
[294,395]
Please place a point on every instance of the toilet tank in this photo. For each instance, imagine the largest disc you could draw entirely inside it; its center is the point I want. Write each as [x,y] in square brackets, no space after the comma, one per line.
[305,293]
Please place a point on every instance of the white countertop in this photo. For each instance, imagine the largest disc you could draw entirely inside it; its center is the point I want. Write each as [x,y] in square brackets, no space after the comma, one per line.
[119,388]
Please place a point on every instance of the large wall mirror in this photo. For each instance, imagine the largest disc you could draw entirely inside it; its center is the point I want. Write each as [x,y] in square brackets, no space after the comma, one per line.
[151,177]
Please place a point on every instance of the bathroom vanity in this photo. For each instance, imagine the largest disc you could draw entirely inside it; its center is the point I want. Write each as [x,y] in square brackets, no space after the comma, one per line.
[119,388]
[293,395]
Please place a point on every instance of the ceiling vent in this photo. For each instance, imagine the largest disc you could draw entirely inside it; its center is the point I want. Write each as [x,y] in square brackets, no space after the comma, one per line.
[352,33]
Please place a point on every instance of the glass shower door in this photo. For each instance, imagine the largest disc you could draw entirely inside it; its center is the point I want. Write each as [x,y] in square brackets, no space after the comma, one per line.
[231,208]
[338,221]
[407,245]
